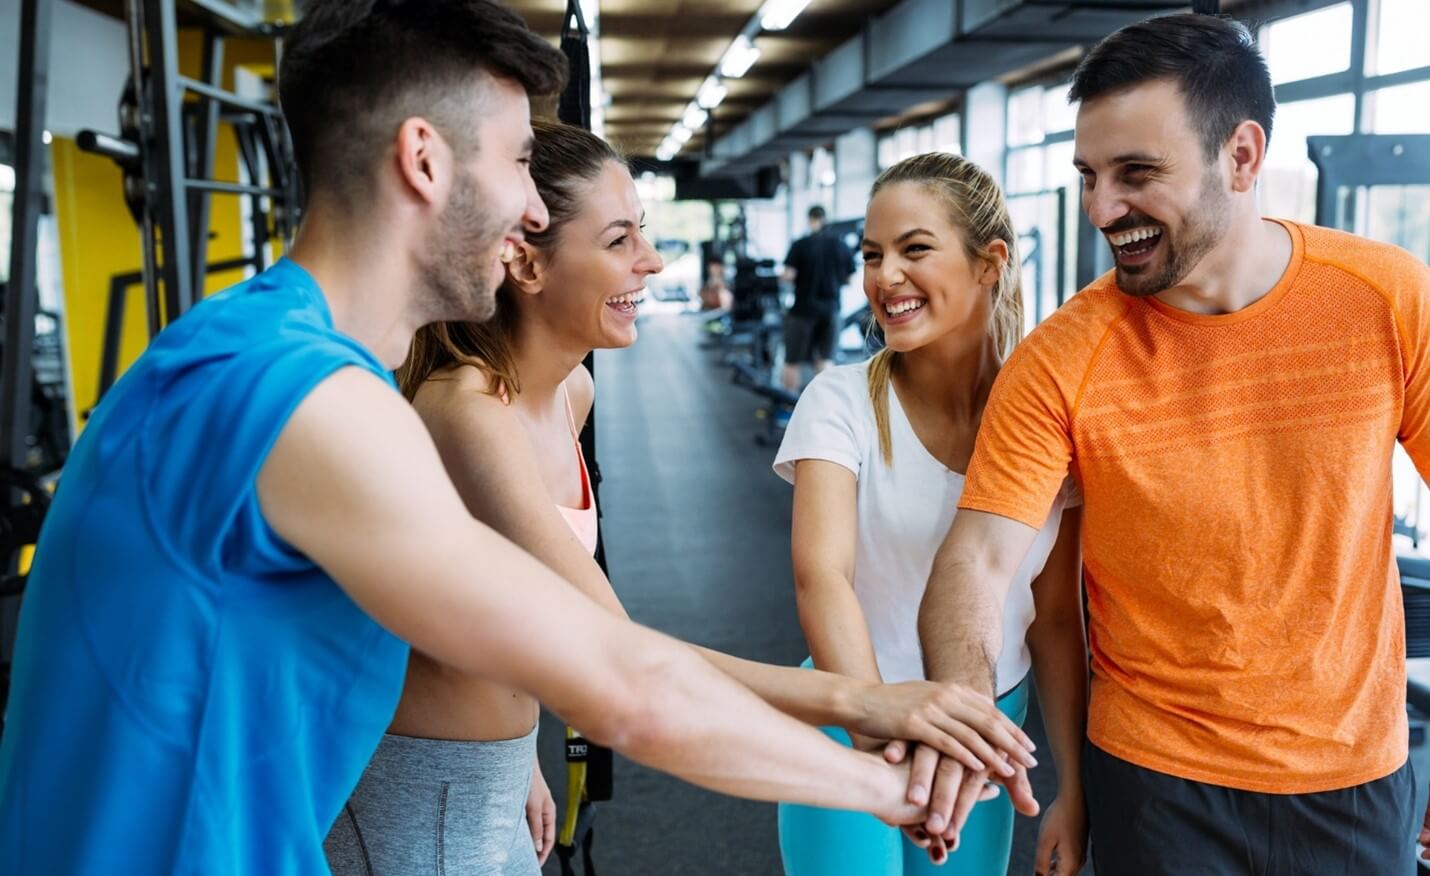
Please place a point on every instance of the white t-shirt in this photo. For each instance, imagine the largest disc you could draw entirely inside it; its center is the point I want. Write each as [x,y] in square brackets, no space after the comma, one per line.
[904,513]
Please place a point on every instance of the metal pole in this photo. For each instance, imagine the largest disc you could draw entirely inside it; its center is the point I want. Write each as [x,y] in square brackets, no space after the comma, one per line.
[207,131]
[36,17]
[153,305]
[167,161]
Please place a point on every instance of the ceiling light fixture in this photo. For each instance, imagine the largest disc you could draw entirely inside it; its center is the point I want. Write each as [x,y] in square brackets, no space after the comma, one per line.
[712,91]
[739,58]
[778,14]
[694,117]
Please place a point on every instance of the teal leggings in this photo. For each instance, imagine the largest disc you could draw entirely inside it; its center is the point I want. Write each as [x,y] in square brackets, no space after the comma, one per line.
[831,842]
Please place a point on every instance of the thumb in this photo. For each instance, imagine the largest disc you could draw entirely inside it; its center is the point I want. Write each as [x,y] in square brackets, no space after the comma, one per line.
[894,752]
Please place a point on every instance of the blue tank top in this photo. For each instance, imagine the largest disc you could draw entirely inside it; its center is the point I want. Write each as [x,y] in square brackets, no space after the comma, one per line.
[191,694]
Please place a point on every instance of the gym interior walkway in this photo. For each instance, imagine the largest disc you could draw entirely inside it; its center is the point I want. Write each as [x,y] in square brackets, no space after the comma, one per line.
[697,536]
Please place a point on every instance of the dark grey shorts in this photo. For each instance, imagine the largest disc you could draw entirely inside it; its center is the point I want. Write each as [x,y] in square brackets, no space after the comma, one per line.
[1146,823]
[435,807]
[810,337]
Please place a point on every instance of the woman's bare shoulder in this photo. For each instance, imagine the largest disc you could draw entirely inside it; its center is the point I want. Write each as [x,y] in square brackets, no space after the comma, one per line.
[581,390]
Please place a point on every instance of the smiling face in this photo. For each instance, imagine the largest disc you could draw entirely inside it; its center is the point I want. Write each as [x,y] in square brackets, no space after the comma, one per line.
[592,277]
[920,279]
[1148,186]
[491,200]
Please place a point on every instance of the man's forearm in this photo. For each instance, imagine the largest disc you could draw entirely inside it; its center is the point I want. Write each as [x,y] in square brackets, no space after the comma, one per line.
[705,728]
[960,626]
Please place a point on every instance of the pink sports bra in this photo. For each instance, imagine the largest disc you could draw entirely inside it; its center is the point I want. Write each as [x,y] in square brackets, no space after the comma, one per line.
[581,520]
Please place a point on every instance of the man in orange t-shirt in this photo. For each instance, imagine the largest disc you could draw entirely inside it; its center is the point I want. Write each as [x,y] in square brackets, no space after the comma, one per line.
[1228,399]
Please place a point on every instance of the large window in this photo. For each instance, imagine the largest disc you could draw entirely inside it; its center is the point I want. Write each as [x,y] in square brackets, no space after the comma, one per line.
[1288,182]
[1400,36]
[1309,45]
[1042,189]
[942,134]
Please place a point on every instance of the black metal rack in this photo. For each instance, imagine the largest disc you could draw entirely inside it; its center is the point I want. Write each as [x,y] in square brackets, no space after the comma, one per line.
[166,149]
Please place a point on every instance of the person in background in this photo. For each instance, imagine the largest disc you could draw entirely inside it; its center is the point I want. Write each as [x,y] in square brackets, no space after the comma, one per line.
[819,265]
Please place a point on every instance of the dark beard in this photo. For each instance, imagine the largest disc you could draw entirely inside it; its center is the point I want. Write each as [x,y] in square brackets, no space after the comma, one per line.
[1203,230]
[454,267]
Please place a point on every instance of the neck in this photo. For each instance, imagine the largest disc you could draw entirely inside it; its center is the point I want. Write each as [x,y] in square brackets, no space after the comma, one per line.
[369,289]
[1239,271]
[544,359]
[958,370]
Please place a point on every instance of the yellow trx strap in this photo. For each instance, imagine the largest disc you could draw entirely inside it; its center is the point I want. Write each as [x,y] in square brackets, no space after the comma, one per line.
[576,825]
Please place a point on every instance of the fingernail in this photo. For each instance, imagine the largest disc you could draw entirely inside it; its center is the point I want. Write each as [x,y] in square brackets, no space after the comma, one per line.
[918,794]
[978,764]
[1007,769]
[935,823]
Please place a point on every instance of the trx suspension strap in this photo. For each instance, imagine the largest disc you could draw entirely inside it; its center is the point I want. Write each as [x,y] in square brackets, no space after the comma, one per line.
[588,767]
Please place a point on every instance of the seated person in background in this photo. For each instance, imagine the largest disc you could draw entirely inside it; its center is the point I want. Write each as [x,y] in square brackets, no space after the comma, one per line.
[715,294]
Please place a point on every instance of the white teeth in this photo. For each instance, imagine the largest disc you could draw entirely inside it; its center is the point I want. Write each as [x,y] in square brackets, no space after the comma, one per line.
[904,306]
[1136,234]
[508,252]
[628,299]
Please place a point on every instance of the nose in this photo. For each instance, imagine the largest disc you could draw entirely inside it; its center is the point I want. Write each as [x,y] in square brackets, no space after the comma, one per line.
[648,261]
[536,217]
[1103,205]
[888,274]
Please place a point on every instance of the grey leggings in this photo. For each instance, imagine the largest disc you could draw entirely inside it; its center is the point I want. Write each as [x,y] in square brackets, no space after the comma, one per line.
[435,807]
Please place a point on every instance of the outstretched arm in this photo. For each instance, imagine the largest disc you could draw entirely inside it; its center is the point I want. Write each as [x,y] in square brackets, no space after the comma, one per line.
[498,489]
[355,483]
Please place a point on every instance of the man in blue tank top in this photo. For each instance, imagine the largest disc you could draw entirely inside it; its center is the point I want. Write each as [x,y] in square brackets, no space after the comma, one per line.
[254,521]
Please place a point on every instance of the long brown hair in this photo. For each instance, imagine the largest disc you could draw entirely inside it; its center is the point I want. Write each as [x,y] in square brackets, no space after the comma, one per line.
[976,207]
[564,161]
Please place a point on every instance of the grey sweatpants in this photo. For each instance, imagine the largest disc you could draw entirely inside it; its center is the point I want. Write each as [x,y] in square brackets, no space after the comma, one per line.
[436,807]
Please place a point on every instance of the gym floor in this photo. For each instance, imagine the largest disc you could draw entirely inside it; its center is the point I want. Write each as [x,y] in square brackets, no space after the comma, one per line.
[697,538]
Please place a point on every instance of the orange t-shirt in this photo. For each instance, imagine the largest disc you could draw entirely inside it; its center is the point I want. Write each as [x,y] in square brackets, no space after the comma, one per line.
[1246,619]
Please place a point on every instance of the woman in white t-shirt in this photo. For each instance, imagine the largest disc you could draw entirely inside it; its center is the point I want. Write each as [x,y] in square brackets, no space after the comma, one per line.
[876,452]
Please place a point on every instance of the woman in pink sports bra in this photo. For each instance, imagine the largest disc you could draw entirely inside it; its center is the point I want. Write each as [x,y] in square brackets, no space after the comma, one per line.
[505,401]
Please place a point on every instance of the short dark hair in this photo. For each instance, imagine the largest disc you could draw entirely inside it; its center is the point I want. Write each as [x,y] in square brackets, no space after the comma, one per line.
[353,70]
[1213,60]
[816,213]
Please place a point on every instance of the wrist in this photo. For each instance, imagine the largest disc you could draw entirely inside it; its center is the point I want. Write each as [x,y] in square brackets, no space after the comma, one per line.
[1071,792]
[850,702]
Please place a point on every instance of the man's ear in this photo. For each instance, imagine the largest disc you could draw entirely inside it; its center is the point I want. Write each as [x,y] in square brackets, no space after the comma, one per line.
[1247,149]
[424,161]
[526,268]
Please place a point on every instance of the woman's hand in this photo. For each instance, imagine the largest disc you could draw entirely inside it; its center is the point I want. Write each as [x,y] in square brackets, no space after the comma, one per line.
[956,721]
[541,815]
[1062,838]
